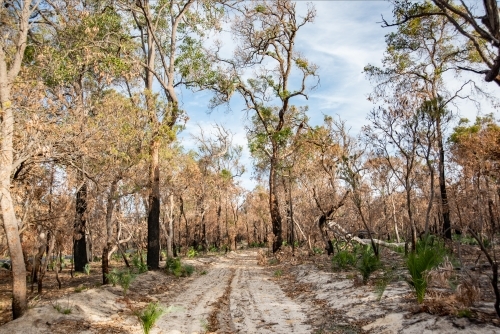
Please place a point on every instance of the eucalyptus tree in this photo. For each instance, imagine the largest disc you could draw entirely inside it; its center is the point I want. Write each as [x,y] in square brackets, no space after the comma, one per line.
[17,20]
[476,149]
[418,56]
[79,56]
[325,149]
[266,32]
[170,51]
[220,158]
[478,30]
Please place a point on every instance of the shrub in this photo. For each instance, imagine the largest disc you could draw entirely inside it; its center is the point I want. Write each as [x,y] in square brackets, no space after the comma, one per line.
[86,269]
[61,309]
[278,273]
[344,259]
[317,250]
[113,277]
[368,263]
[149,316]
[428,255]
[125,279]
[192,252]
[175,267]
[139,262]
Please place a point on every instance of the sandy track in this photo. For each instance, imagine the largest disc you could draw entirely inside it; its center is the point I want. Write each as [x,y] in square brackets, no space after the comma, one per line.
[235,295]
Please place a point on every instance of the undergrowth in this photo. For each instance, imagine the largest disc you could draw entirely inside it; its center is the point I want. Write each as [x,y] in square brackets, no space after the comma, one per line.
[176,268]
[429,254]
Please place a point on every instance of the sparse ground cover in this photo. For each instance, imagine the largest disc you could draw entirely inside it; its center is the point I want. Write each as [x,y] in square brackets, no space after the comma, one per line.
[250,292]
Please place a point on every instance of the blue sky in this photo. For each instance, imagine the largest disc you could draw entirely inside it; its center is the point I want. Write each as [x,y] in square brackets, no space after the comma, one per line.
[345,37]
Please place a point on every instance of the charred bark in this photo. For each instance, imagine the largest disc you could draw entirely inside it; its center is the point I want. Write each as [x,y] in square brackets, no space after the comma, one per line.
[79,239]
[153,251]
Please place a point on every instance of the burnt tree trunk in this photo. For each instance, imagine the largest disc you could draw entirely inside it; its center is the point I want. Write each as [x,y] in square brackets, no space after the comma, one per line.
[445,207]
[274,205]
[79,241]
[153,251]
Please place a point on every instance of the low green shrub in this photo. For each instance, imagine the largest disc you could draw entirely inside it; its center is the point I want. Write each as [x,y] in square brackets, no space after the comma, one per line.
[148,316]
[176,268]
[125,279]
[429,254]
[86,269]
[139,262]
[317,250]
[344,259]
[63,309]
[113,277]
[368,263]
[192,252]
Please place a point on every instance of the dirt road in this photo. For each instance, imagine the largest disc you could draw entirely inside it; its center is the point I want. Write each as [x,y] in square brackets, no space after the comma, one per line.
[234,296]
[228,294]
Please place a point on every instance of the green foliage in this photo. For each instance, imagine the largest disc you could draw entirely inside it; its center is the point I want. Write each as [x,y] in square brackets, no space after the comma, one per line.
[192,252]
[317,250]
[344,259]
[465,130]
[203,272]
[260,8]
[148,316]
[278,273]
[86,269]
[61,309]
[429,254]
[213,249]
[113,277]
[465,313]
[368,263]
[139,262]
[125,278]
[272,261]
[176,268]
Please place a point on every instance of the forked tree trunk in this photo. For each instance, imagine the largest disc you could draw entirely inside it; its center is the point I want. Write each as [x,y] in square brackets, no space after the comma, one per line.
[153,257]
[51,241]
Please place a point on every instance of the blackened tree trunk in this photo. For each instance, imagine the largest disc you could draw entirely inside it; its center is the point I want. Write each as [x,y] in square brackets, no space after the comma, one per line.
[153,259]
[445,207]
[274,206]
[79,240]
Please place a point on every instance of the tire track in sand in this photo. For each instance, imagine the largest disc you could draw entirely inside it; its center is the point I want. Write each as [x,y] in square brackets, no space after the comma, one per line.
[237,296]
